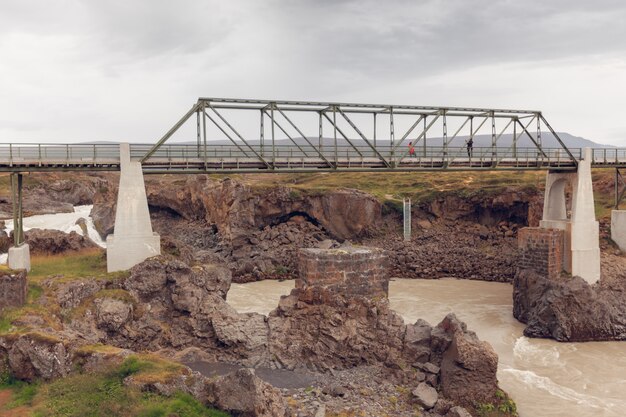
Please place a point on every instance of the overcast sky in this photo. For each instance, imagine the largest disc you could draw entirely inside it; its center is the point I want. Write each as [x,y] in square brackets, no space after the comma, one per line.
[75,70]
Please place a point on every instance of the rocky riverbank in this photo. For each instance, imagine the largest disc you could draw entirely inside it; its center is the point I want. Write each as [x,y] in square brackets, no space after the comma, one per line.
[569,309]
[166,306]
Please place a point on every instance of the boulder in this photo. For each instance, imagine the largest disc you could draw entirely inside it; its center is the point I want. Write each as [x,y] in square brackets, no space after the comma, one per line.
[36,355]
[468,366]
[458,412]
[243,394]
[425,395]
[111,313]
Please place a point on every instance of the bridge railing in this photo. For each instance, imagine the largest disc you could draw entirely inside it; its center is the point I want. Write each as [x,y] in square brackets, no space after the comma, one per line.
[48,153]
[182,153]
[609,156]
[319,156]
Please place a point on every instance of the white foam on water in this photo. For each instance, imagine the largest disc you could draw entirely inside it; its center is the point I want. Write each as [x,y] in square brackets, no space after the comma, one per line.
[526,350]
[65,222]
[530,378]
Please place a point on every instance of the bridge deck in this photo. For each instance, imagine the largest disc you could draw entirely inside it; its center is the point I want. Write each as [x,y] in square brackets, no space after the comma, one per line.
[288,158]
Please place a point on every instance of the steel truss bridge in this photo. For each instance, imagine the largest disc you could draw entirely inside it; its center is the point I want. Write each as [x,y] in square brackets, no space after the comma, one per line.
[297,136]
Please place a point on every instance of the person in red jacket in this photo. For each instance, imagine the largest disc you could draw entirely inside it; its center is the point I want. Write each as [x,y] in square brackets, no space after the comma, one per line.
[411,150]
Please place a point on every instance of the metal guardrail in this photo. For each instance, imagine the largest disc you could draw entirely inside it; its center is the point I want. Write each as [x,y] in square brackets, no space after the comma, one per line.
[224,157]
[46,153]
[609,156]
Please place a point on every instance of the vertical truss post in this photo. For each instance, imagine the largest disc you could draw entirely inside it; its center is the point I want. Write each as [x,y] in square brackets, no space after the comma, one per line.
[18,215]
[374,129]
[392,139]
[273,135]
[515,121]
[262,135]
[198,131]
[320,141]
[335,134]
[445,137]
[471,138]
[493,137]
[204,135]
[424,147]
[539,133]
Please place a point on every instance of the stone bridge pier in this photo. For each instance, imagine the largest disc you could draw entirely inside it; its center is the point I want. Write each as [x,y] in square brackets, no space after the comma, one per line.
[132,240]
[581,251]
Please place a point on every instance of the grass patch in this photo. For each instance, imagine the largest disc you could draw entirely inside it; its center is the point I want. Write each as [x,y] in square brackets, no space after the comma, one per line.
[101,395]
[79,265]
[23,393]
[147,368]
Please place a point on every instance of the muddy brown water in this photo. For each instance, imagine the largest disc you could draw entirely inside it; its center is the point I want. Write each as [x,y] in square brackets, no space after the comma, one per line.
[544,377]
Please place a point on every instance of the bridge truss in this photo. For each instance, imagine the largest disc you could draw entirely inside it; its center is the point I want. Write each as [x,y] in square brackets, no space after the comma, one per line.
[314,136]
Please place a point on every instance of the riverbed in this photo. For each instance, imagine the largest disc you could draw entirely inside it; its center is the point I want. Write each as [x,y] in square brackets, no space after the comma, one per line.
[544,377]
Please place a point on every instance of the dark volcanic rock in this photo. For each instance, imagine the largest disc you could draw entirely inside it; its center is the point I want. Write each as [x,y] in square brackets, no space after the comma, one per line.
[475,252]
[468,366]
[242,393]
[236,209]
[569,309]
[13,288]
[50,242]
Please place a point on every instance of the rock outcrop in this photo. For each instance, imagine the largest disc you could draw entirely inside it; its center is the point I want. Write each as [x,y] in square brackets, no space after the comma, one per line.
[468,366]
[569,309]
[51,242]
[13,288]
[49,193]
[235,209]
[476,252]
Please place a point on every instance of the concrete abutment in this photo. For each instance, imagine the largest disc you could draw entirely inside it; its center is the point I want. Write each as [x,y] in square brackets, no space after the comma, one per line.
[581,240]
[133,239]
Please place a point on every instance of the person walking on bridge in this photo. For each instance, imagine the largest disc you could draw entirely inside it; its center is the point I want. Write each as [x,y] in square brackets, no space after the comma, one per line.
[470,146]
[411,150]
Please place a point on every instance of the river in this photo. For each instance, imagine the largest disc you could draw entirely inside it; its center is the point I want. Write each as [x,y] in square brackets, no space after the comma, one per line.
[544,377]
[65,222]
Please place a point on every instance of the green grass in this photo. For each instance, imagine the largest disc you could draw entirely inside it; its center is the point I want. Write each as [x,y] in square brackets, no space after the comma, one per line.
[418,185]
[23,393]
[102,395]
[87,263]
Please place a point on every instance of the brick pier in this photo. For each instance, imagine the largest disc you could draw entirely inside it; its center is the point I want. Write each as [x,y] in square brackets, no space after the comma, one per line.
[541,250]
[349,270]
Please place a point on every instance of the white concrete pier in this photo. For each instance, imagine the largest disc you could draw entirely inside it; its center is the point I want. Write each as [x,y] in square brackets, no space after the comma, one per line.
[133,239]
[618,228]
[582,231]
[19,257]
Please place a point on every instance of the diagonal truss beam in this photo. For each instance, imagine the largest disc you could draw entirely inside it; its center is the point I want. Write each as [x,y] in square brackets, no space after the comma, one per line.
[170,132]
[342,134]
[525,130]
[240,137]
[319,152]
[558,138]
[356,129]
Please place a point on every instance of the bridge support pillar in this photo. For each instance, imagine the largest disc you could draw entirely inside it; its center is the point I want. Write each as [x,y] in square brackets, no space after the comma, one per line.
[133,240]
[582,232]
[19,253]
